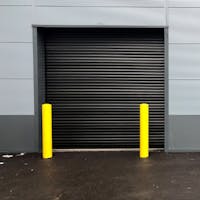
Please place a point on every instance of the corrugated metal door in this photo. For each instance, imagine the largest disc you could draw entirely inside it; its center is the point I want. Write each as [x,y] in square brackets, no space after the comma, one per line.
[96,79]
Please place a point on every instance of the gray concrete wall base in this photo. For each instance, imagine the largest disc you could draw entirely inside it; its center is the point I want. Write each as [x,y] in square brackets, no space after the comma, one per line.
[16,134]
[184,133]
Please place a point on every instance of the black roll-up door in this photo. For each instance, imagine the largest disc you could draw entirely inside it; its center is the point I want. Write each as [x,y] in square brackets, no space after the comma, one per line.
[96,78]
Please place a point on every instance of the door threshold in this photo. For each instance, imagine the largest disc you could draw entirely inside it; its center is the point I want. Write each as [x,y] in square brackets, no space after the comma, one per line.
[105,149]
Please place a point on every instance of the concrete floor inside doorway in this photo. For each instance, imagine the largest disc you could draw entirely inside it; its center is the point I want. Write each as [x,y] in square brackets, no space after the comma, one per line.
[101,176]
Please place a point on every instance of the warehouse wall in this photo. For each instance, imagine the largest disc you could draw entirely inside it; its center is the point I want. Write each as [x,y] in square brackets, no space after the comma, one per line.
[16,77]
[16,59]
[184,75]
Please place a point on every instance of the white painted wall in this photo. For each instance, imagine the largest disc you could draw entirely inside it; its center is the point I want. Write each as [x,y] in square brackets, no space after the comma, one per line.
[184,57]
[16,50]
[18,16]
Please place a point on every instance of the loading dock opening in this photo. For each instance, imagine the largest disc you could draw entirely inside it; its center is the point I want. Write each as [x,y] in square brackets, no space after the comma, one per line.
[96,78]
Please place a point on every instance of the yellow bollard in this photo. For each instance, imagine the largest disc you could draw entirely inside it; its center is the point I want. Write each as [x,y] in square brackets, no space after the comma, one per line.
[46,130]
[144,130]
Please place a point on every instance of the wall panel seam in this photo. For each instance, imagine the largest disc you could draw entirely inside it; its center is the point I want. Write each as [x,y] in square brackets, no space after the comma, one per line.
[16,78]
[184,43]
[180,7]
[13,42]
[186,79]
[47,6]
[28,5]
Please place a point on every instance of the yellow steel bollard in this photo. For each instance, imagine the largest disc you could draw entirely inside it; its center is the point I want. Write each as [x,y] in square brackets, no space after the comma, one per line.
[144,130]
[46,130]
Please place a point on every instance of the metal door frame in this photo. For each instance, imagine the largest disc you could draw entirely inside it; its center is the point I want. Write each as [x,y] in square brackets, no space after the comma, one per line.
[37,84]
